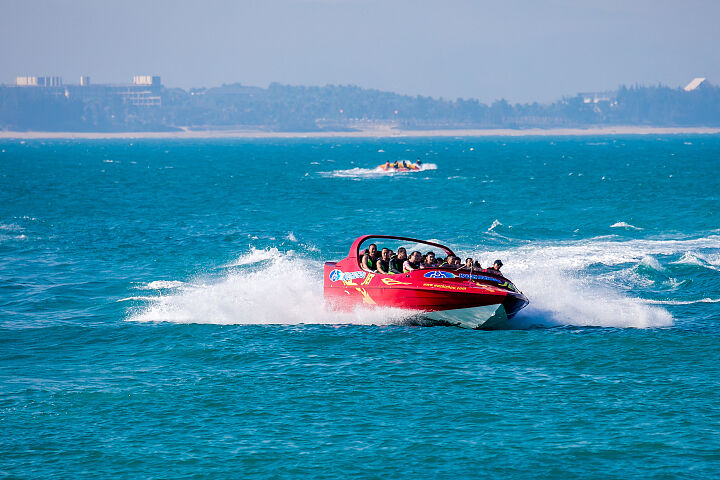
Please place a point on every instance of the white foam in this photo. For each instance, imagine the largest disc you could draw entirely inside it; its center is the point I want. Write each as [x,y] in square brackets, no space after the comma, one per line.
[255,256]
[651,262]
[10,227]
[624,225]
[287,291]
[559,298]
[561,293]
[496,223]
[138,298]
[695,258]
[161,285]
[683,302]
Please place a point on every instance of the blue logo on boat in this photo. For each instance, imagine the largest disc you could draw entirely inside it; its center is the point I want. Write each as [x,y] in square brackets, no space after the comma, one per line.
[439,274]
[336,275]
[479,277]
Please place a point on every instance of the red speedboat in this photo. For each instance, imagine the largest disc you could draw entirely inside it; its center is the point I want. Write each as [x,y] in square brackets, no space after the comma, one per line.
[475,299]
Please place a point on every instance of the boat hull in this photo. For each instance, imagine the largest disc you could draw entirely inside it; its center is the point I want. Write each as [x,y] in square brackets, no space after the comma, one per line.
[488,317]
[465,299]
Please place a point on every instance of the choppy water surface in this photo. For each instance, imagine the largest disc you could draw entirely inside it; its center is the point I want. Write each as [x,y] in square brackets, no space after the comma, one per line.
[161,310]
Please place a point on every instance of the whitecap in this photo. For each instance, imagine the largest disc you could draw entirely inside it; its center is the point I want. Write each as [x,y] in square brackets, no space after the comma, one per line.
[683,302]
[495,223]
[255,256]
[651,262]
[160,285]
[624,224]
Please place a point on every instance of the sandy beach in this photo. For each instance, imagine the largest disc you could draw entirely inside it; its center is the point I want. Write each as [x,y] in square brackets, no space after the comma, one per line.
[374,133]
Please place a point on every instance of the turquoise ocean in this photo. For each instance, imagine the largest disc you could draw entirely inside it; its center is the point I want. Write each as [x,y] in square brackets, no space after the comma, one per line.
[161,310]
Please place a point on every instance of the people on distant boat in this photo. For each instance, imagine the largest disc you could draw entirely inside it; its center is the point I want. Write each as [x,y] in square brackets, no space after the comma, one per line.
[413,263]
[383,263]
[387,165]
[429,260]
[396,165]
[497,265]
[370,258]
[418,162]
[397,261]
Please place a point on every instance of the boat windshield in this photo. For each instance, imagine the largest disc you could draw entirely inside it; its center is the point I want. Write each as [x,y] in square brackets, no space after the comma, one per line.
[410,245]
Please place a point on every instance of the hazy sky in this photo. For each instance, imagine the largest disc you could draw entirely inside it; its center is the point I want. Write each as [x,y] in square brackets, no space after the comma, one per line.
[520,50]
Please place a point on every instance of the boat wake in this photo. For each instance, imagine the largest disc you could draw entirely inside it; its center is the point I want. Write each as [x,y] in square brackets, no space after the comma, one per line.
[595,282]
[374,172]
[262,287]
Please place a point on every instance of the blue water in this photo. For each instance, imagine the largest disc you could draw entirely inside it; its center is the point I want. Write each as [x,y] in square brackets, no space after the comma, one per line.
[161,310]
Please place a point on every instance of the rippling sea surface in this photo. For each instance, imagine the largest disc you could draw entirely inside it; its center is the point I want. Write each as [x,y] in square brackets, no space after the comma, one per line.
[161,310]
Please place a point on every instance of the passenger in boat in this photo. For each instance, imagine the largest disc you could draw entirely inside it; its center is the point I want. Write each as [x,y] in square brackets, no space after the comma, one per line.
[418,162]
[387,165]
[369,260]
[396,165]
[497,265]
[468,264]
[447,262]
[477,265]
[456,262]
[413,263]
[429,261]
[383,263]
[397,261]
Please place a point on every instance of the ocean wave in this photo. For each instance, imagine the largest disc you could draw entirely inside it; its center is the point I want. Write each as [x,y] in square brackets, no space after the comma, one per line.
[11,231]
[140,298]
[496,223]
[625,225]
[710,262]
[160,285]
[10,227]
[648,261]
[255,256]
[683,302]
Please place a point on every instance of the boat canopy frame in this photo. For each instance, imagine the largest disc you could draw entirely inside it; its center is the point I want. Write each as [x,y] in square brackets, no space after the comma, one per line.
[355,248]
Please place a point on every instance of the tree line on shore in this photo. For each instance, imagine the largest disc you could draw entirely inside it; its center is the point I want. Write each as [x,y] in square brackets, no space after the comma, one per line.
[345,108]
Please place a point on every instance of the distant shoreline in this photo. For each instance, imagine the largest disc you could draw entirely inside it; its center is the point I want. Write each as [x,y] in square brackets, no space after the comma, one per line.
[374,133]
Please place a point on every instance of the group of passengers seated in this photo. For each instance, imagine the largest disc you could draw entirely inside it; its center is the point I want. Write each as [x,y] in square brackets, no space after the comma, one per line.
[404,164]
[388,262]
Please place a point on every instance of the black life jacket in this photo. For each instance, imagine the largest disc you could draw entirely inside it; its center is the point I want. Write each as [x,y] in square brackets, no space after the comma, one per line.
[396,265]
[370,263]
[383,266]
